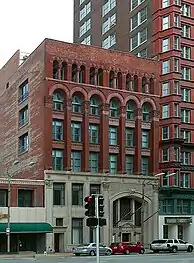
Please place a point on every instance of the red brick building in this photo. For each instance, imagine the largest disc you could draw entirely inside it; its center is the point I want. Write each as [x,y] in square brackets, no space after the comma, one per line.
[89,116]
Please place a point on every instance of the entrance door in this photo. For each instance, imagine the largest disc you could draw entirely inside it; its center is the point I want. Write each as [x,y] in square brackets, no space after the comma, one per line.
[56,241]
[125,237]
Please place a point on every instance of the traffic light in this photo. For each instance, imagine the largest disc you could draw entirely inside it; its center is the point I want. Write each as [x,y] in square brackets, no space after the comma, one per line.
[100,206]
[102,222]
[90,206]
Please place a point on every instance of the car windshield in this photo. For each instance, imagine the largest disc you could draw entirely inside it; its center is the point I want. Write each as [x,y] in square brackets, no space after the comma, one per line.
[160,241]
[83,245]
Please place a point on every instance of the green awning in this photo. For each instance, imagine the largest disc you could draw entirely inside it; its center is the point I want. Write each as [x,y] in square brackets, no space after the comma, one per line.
[27,228]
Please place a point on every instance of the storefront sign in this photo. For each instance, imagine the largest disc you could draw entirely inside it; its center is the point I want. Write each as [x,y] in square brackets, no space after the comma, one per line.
[178,220]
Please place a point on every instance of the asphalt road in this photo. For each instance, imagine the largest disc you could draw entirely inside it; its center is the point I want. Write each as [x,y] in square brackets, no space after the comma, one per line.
[147,258]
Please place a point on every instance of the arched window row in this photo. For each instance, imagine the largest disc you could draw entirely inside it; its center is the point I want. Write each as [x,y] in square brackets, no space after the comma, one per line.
[116,80]
[95,105]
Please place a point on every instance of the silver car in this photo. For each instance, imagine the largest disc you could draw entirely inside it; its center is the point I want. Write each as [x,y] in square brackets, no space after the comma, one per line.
[90,250]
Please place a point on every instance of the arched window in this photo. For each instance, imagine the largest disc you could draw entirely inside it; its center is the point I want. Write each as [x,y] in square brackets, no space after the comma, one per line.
[119,80]
[128,80]
[144,82]
[146,110]
[94,106]
[114,108]
[74,73]
[111,79]
[100,77]
[82,74]
[76,104]
[64,71]
[135,83]
[151,85]
[55,69]
[92,75]
[57,101]
[130,110]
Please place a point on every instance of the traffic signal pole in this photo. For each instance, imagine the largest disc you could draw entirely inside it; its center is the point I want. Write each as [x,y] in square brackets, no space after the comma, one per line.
[97,231]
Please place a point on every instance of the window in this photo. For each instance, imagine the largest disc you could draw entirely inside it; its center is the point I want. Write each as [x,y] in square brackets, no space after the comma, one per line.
[177,2]
[130,111]
[186,158]
[23,116]
[108,23]
[165,155]
[176,87]
[183,206]
[3,197]
[94,133]
[25,198]
[176,110]
[144,165]
[134,41]
[134,21]
[85,27]
[176,42]
[165,89]
[175,177]
[165,231]
[185,94]
[185,52]
[145,139]
[165,111]
[85,11]
[23,91]
[186,10]
[165,133]
[186,135]
[113,163]
[57,156]
[139,18]
[176,20]
[185,115]
[185,31]
[76,161]
[59,194]
[166,67]
[135,3]
[109,5]
[165,3]
[143,15]
[59,221]
[81,1]
[95,189]
[57,128]
[77,231]
[113,135]
[165,22]
[93,161]
[176,154]
[145,113]
[185,180]
[86,40]
[76,131]
[57,102]
[167,206]
[114,109]
[165,44]
[139,38]
[77,194]
[165,179]
[143,35]
[129,133]
[109,41]
[176,64]
[176,131]
[129,164]
[185,73]
[23,143]
[143,53]
[76,104]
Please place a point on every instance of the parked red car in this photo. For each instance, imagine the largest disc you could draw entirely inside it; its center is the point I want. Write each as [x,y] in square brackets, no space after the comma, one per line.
[127,248]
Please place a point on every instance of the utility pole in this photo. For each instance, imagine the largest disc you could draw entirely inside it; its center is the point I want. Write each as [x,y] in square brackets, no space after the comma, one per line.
[142,213]
[97,231]
[8,212]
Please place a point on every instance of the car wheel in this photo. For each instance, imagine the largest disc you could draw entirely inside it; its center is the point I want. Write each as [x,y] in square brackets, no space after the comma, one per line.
[190,249]
[173,249]
[108,252]
[92,253]
[141,251]
[127,252]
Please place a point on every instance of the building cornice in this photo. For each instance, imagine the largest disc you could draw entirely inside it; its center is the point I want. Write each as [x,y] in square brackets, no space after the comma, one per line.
[22,181]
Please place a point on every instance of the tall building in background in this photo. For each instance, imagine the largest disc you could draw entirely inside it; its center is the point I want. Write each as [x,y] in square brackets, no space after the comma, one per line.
[162,29]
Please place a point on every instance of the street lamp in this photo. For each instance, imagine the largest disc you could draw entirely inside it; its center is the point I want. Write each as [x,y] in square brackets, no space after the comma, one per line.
[9,176]
[143,201]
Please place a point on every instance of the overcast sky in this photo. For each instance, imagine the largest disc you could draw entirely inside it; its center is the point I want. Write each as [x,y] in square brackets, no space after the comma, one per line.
[25,23]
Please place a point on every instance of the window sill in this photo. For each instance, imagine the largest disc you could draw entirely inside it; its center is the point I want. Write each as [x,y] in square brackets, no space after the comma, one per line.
[23,125]
[21,153]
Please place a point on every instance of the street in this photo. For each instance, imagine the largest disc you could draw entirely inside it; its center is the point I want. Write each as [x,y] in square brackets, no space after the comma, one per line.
[147,258]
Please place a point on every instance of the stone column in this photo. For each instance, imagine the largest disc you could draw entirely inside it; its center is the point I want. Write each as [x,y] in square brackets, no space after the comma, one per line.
[133,211]
[67,135]
[123,81]
[154,137]
[131,85]
[87,75]
[69,72]
[115,81]
[121,133]
[85,136]
[137,161]
[48,129]
[104,139]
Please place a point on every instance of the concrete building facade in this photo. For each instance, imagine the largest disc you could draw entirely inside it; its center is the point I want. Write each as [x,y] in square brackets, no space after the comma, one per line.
[90,124]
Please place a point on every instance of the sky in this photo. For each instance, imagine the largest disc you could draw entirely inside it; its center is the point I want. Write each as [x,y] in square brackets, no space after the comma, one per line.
[24,24]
